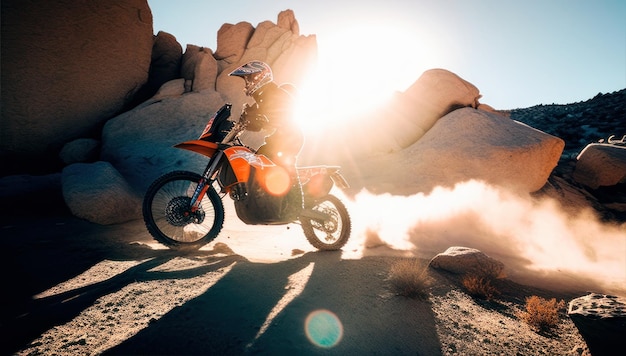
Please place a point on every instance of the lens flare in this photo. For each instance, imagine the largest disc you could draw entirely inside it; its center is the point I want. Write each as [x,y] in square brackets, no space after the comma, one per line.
[323,328]
[276,180]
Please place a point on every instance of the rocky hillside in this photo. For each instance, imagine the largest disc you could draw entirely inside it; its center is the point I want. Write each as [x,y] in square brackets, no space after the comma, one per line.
[579,123]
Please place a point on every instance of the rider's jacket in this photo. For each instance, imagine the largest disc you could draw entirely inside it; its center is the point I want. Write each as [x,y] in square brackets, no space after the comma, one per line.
[273,110]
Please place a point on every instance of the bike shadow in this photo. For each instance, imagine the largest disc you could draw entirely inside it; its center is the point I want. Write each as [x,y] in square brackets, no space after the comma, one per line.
[248,311]
[245,311]
[57,247]
[37,315]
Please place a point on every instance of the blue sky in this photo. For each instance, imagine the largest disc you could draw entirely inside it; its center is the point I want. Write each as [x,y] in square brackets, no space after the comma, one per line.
[518,53]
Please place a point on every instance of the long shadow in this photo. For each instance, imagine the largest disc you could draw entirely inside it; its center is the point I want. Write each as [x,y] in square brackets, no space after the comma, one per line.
[380,323]
[226,319]
[221,320]
[55,247]
[42,314]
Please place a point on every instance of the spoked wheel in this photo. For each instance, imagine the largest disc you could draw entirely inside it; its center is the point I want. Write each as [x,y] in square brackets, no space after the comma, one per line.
[331,229]
[168,215]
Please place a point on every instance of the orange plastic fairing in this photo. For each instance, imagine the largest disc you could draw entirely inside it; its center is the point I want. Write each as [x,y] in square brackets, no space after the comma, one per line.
[241,158]
[202,147]
[274,179]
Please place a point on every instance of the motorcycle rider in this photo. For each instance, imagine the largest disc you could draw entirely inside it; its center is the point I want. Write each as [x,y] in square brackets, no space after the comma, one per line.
[273,109]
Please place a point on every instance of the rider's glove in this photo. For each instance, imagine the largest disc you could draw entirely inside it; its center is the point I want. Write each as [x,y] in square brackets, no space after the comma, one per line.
[253,120]
[255,123]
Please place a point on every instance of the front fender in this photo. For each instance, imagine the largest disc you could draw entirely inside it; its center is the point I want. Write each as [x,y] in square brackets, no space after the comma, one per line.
[204,148]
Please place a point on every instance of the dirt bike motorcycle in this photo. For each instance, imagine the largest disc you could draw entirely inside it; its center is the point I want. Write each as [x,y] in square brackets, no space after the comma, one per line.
[184,210]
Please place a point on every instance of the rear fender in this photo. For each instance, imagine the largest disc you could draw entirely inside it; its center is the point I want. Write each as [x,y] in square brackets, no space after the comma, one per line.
[317,181]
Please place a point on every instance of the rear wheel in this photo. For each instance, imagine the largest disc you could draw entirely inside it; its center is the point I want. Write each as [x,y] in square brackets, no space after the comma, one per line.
[168,216]
[332,232]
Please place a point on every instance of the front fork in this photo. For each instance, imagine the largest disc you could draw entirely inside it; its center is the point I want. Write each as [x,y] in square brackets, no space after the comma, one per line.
[205,182]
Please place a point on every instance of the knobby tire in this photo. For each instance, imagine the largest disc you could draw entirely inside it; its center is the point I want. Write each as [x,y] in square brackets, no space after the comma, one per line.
[166,216]
[315,231]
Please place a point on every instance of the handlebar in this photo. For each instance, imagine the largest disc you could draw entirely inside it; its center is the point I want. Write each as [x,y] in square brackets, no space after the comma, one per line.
[237,129]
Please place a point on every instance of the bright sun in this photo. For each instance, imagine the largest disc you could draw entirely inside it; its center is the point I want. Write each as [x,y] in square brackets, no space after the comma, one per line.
[359,68]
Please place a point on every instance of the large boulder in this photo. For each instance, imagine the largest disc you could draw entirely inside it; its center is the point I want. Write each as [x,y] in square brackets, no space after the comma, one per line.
[469,144]
[167,55]
[436,93]
[412,113]
[290,54]
[199,68]
[139,142]
[81,150]
[165,64]
[97,192]
[398,124]
[601,165]
[67,66]
[232,41]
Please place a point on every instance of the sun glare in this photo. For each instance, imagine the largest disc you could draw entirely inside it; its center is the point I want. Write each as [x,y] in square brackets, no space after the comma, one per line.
[359,68]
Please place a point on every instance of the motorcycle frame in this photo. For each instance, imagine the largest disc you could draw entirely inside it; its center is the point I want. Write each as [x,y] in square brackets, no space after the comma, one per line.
[241,158]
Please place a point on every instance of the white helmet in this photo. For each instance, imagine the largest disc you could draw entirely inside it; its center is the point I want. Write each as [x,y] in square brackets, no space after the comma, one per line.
[255,73]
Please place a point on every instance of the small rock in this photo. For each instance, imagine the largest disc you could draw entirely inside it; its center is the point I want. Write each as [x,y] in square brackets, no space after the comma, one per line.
[601,321]
[465,260]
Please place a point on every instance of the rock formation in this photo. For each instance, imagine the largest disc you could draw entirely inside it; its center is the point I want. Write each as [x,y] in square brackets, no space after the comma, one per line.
[67,67]
[474,144]
[580,124]
[180,115]
[138,143]
[468,144]
[412,113]
[436,93]
[165,64]
[98,193]
[81,150]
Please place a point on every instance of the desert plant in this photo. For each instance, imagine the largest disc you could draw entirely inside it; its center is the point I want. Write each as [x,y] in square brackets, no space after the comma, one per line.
[409,278]
[541,314]
[479,287]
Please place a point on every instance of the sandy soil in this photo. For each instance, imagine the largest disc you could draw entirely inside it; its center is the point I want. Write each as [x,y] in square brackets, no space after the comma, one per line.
[78,288]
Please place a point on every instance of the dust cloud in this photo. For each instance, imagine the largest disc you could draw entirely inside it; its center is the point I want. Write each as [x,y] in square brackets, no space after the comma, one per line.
[538,242]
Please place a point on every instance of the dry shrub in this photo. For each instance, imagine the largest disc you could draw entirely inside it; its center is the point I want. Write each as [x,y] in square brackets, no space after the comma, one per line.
[479,287]
[541,314]
[409,278]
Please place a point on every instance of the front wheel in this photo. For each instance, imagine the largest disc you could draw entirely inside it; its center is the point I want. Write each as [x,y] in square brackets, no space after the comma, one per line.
[331,230]
[168,215]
